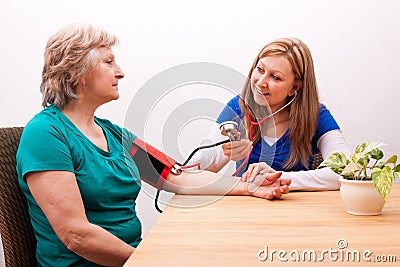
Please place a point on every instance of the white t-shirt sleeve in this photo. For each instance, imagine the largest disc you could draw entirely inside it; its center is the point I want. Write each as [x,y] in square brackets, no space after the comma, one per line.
[320,179]
[210,156]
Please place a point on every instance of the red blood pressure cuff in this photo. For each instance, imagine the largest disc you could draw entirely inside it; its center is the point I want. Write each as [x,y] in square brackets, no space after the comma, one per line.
[154,166]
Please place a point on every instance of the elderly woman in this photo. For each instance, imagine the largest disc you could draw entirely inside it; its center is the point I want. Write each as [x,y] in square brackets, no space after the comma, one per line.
[75,169]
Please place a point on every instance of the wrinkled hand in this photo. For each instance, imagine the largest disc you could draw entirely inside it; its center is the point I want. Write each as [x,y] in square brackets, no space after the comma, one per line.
[237,150]
[255,169]
[265,182]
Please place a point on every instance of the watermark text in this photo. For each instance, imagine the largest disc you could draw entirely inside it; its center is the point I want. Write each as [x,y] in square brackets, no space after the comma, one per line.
[334,254]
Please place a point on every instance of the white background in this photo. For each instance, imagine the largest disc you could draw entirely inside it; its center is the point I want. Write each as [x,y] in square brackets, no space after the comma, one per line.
[355,46]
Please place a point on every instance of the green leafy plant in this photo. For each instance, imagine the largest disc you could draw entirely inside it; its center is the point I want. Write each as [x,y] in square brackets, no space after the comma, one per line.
[365,164]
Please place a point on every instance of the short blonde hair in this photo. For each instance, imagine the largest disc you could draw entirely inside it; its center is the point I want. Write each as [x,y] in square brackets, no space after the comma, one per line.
[68,56]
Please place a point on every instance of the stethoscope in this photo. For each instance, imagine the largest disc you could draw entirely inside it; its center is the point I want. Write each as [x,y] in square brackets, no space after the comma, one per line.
[229,128]
[257,123]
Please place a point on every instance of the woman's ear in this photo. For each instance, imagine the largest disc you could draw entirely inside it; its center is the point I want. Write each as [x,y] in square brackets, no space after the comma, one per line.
[83,81]
[296,87]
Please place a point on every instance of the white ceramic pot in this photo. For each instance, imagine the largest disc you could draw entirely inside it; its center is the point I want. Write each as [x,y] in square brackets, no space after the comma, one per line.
[361,197]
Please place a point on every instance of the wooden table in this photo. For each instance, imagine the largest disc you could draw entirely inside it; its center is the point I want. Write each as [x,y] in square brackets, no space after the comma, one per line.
[238,231]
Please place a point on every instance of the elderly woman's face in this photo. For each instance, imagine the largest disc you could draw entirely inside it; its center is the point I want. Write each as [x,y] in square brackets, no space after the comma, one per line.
[272,81]
[101,83]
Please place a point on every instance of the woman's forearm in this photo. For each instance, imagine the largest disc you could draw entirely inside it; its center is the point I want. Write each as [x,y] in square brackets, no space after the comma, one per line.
[320,179]
[97,245]
[313,180]
[205,183]
[209,183]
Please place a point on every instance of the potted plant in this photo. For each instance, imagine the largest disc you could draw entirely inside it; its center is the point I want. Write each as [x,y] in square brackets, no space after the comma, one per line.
[365,181]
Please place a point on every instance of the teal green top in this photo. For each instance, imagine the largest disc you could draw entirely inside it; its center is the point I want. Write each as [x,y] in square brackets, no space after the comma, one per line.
[109,182]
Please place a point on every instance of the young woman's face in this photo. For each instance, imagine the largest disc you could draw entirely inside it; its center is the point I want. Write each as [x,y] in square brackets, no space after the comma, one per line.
[272,81]
[101,83]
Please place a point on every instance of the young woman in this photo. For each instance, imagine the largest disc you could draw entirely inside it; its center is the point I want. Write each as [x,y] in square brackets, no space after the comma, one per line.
[282,123]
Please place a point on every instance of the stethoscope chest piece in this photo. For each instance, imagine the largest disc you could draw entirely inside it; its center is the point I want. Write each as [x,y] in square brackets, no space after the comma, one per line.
[229,128]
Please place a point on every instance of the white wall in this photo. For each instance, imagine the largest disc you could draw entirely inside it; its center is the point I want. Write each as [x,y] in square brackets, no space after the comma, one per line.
[354,44]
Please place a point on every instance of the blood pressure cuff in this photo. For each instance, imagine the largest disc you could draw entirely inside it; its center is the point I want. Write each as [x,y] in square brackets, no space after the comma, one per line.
[154,166]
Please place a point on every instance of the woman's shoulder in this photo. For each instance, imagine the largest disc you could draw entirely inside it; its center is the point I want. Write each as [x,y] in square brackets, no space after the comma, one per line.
[116,129]
[326,121]
[234,101]
[234,104]
[43,129]
[43,122]
[324,112]
[322,107]
[231,111]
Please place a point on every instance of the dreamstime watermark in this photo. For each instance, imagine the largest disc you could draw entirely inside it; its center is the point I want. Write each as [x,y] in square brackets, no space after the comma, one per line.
[339,253]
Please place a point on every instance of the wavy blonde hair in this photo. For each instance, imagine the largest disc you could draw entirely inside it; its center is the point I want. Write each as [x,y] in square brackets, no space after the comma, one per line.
[69,55]
[303,112]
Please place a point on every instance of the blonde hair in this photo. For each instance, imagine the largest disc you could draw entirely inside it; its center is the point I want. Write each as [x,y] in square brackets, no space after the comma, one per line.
[303,112]
[68,56]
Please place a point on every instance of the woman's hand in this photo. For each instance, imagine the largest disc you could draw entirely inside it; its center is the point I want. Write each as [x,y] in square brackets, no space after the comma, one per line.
[269,185]
[265,182]
[255,169]
[237,150]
